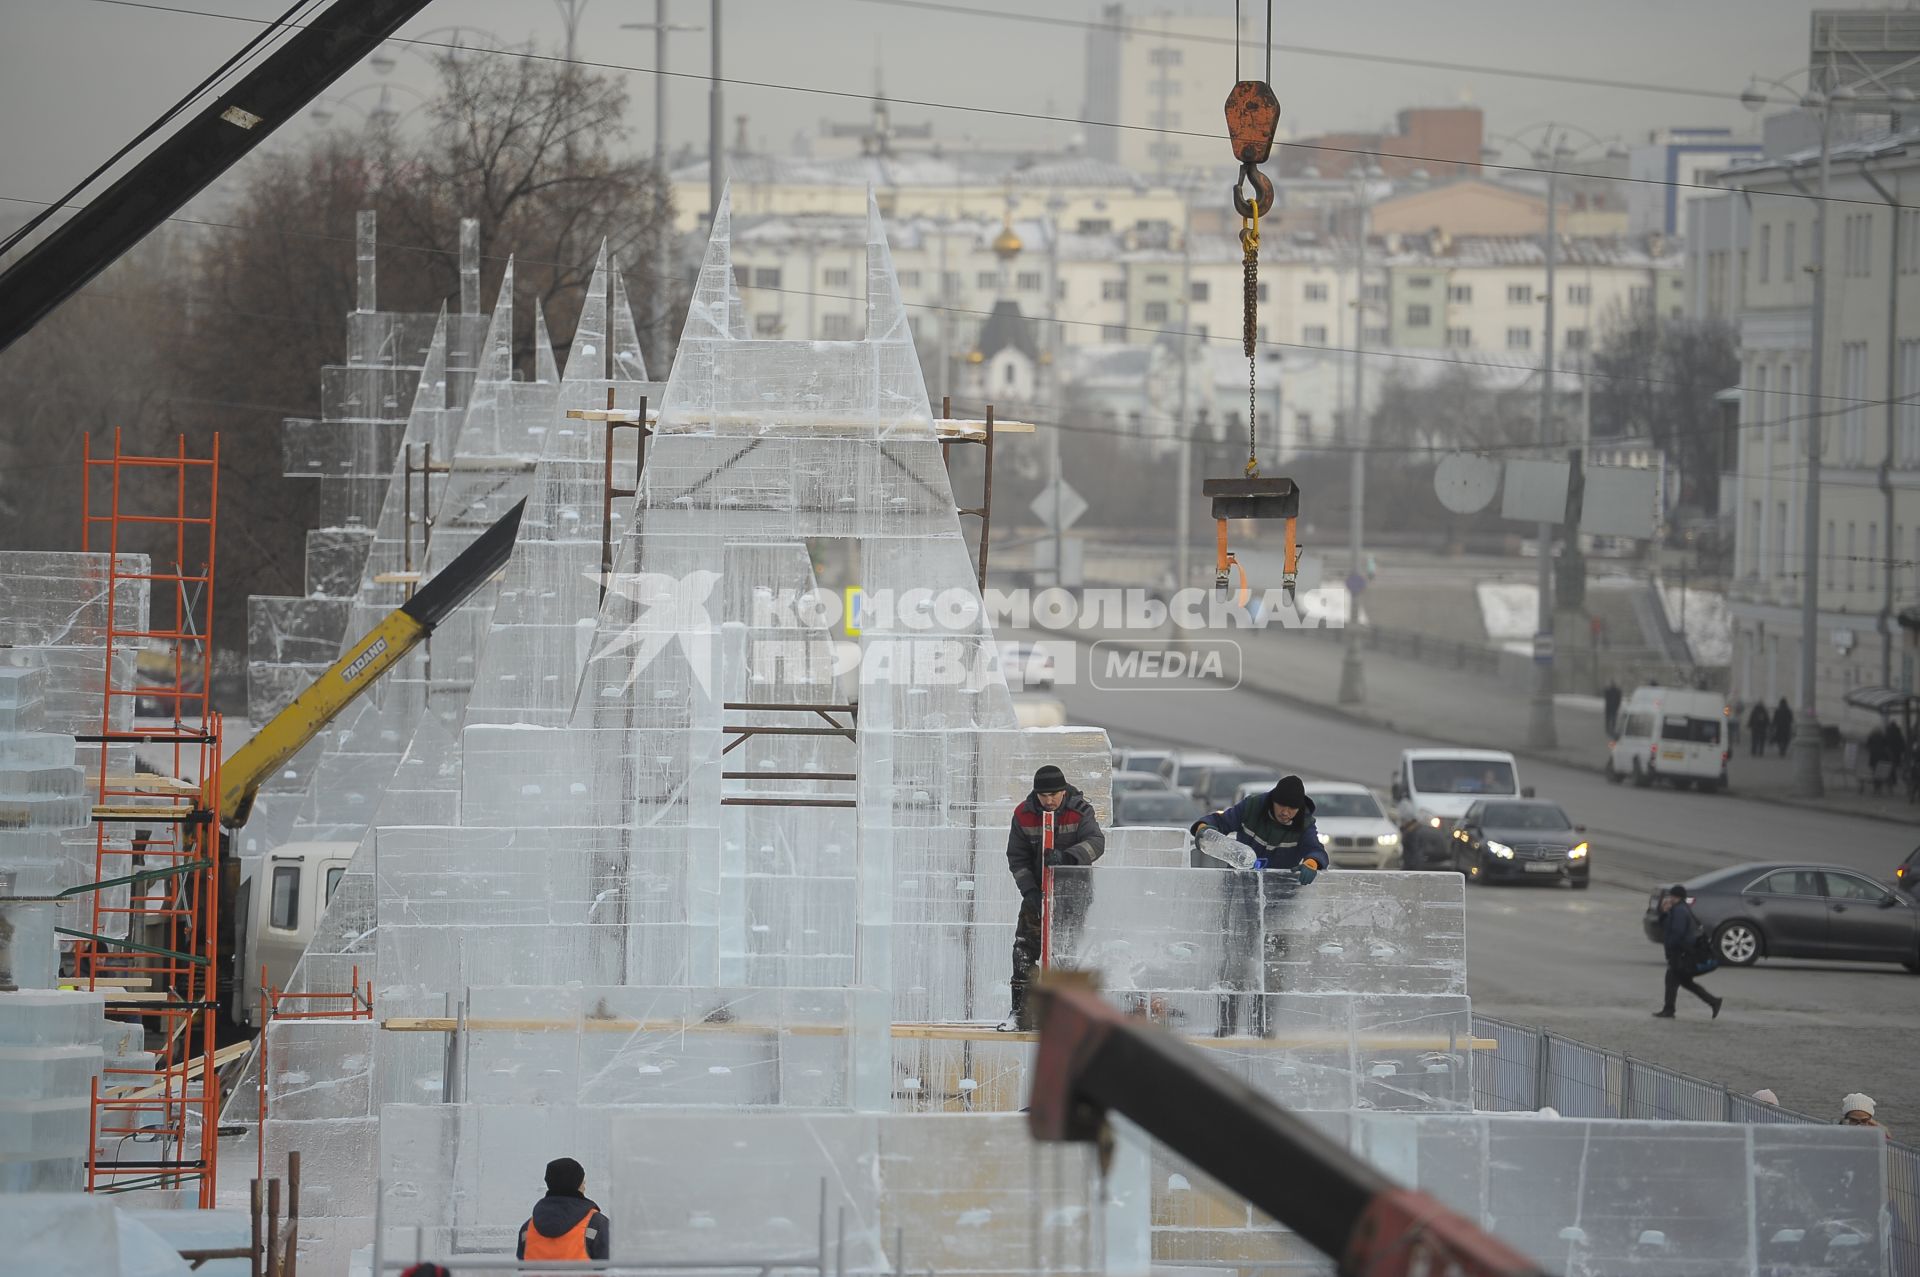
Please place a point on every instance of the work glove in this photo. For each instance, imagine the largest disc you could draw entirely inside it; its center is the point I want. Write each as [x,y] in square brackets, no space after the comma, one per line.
[1308,871]
[1030,902]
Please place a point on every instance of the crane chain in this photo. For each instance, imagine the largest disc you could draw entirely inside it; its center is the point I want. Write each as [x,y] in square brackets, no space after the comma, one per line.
[1250,328]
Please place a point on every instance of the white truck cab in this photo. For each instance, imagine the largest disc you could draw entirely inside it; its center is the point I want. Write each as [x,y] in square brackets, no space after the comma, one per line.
[281,898]
[1432,789]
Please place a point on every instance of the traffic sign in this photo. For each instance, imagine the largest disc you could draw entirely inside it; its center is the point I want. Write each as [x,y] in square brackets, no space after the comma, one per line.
[1072,505]
[1543,649]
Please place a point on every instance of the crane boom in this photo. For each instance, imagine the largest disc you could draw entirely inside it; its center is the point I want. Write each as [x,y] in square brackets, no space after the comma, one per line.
[377,651]
[193,157]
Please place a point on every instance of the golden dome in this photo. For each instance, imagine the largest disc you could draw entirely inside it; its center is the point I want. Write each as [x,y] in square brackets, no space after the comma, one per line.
[1007,244]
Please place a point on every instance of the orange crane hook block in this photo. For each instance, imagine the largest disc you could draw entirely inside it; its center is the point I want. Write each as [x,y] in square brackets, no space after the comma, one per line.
[1253,498]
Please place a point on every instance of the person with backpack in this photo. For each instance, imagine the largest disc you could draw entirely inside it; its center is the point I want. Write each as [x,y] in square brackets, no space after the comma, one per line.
[1689,952]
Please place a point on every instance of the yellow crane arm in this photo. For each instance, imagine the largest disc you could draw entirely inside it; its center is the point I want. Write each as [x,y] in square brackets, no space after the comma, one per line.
[379,650]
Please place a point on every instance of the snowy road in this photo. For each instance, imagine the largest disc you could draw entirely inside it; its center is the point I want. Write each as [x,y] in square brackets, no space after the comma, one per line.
[1577,962]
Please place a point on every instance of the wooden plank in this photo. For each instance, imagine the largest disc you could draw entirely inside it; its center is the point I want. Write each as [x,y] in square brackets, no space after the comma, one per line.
[161,813]
[221,1058]
[147,783]
[912,1031]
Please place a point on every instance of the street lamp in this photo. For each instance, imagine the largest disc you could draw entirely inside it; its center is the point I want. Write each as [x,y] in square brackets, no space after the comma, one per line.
[1353,682]
[661,29]
[1552,149]
[1806,726]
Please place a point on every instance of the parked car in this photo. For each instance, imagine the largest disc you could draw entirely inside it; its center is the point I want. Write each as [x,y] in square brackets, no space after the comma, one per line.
[1216,787]
[1521,838]
[1353,827]
[1156,807]
[1796,910]
[1027,665]
[1135,758]
[1432,789]
[1671,734]
[1125,782]
[1183,766]
[1906,875]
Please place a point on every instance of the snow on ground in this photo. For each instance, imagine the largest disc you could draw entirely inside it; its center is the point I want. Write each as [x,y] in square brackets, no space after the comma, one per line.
[1708,628]
[1508,610]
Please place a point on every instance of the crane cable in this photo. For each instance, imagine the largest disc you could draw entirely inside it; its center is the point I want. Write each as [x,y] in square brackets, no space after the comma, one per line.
[1253,115]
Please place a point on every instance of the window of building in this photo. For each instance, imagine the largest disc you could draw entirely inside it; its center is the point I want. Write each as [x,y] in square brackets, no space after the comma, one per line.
[1314,293]
[1519,339]
[1780,534]
[1848,574]
[949,281]
[283,908]
[1909,241]
[1787,252]
[1460,292]
[1789,421]
[836,278]
[1856,244]
[1374,336]
[742,276]
[1579,294]
[1419,316]
[1156,312]
[1095,226]
[1853,380]
[1115,334]
[1011,376]
[909,279]
[1419,281]
[1459,338]
[986,279]
[1029,281]
[1200,331]
[767,325]
[1757,560]
[1575,339]
[1169,151]
[1907,446]
[766,277]
[1261,292]
[1314,334]
[1164,88]
[1827,576]
[1165,119]
[1373,292]
[1164,56]
[1766,253]
[1113,290]
[1198,290]
[1519,294]
[837,327]
[1261,336]
[1157,279]
[1639,296]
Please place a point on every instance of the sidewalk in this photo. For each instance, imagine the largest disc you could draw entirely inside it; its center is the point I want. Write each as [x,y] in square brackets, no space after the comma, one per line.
[1462,708]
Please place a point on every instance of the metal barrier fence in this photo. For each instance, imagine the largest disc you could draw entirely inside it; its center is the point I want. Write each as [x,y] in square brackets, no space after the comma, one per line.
[1532,1069]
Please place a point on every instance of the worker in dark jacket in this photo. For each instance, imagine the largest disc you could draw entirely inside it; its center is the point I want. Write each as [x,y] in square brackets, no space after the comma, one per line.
[1680,934]
[566,1223]
[1277,826]
[1054,825]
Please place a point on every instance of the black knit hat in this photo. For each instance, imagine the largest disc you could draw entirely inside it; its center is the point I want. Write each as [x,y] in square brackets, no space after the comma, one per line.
[1049,780]
[1290,792]
[564,1175]
[1677,891]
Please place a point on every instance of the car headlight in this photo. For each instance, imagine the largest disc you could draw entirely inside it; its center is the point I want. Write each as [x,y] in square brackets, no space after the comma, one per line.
[1500,849]
[1434,821]
[1578,853]
[1388,840]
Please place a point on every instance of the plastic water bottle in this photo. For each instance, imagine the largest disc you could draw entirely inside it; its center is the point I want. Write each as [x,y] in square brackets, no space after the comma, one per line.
[1226,849]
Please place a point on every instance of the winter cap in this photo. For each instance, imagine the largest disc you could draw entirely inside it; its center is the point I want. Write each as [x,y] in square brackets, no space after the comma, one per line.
[1049,780]
[1857,1102]
[427,1270]
[1677,891]
[1766,1096]
[564,1175]
[1290,792]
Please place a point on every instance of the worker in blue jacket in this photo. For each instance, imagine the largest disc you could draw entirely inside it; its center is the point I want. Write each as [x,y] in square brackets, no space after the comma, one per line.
[1277,826]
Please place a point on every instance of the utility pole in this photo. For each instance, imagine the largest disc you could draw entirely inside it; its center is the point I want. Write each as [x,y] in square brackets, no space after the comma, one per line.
[1050,376]
[1353,680]
[664,264]
[1541,732]
[1183,487]
[1806,726]
[716,136]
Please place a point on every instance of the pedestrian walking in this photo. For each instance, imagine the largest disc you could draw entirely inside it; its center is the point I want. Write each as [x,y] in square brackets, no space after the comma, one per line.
[1782,726]
[566,1223]
[1859,1110]
[1757,727]
[1610,697]
[1896,746]
[1054,825]
[1689,953]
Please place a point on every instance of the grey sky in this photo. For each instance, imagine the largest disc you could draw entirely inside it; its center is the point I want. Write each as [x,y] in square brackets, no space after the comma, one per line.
[77,77]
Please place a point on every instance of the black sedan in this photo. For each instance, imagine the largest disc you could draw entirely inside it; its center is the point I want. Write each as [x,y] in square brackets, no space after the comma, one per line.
[1521,839]
[1156,807]
[1788,910]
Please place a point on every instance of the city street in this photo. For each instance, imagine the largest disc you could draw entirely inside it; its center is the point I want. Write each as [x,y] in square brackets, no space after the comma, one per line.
[1578,963]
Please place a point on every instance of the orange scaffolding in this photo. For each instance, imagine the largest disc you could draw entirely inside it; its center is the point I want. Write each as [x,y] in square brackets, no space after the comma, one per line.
[154,952]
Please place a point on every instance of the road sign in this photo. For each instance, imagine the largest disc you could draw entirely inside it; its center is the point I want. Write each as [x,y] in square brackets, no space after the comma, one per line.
[1072,505]
[1543,649]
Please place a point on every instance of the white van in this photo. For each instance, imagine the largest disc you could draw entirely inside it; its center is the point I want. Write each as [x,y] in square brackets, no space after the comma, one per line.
[277,907]
[1674,734]
[1432,789]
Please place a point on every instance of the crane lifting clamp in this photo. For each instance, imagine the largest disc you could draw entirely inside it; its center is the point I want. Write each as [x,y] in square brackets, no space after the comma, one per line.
[1253,498]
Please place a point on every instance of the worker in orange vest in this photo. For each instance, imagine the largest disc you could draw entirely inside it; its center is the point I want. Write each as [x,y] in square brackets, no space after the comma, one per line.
[566,1223]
